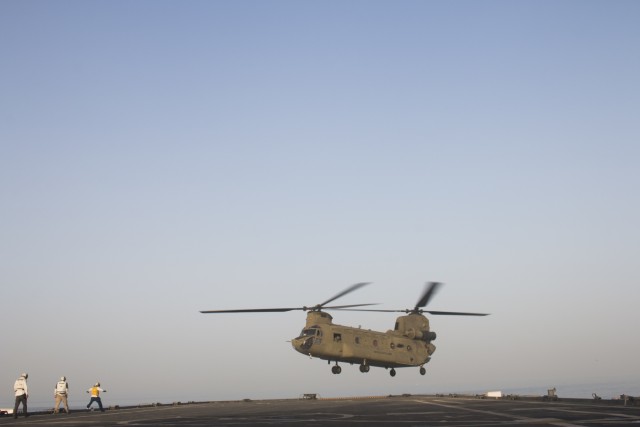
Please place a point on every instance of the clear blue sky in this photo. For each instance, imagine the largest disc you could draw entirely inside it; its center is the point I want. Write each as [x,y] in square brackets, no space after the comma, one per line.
[158,158]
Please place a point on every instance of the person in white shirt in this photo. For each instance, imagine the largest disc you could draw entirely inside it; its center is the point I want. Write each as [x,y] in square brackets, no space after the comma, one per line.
[22,393]
[60,394]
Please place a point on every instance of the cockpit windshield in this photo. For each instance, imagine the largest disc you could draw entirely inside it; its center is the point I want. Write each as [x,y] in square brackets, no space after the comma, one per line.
[310,332]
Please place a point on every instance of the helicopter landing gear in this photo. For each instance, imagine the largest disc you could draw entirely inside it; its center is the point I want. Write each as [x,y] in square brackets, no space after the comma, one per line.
[422,370]
[392,372]
[336,369]
[364,368]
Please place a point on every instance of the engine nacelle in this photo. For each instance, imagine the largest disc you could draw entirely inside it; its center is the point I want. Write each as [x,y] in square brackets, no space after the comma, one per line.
[413,334]
[421,335]
[429,336]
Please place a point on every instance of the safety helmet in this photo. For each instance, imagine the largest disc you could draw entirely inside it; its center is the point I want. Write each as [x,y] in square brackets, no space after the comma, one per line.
[63,378]
[24,375]
[97,385]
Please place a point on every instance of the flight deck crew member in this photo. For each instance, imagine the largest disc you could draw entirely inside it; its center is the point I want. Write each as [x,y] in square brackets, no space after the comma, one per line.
[95,396]
[60,394]
[22,393]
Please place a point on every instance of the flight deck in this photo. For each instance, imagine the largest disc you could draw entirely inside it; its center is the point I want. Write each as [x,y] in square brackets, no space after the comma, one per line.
[405,410]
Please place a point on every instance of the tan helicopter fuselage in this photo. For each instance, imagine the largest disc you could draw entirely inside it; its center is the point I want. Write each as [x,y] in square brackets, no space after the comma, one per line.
[409,344]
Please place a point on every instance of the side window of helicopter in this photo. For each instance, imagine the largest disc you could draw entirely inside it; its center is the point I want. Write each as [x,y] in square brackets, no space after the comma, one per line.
[337,337]
[397,326]
[357,340]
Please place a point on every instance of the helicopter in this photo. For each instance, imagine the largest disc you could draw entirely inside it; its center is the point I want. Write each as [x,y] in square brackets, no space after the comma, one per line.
[409,344]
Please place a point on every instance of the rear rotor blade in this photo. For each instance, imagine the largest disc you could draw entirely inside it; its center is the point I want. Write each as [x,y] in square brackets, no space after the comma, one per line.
[454,313]
[438,313]
[431,289]
[343,293]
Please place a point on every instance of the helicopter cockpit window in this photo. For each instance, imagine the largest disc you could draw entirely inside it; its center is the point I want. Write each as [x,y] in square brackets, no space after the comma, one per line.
[397,326]
[309,332]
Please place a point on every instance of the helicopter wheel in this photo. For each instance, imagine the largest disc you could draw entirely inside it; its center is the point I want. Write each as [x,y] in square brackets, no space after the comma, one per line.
[364,368]
[392,372]
[422,371]
[336,369]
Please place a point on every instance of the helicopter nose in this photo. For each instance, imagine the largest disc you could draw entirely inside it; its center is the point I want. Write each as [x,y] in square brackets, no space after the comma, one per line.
[302,344]
[295,342]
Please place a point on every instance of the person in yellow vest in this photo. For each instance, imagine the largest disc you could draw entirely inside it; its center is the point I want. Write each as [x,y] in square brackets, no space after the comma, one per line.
[95,396]
[60,394]
[22,393]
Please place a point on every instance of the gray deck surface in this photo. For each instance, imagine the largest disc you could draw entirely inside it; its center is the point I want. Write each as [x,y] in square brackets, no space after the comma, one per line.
[375,411]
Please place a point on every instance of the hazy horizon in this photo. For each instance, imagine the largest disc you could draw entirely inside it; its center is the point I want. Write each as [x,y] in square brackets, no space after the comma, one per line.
[158,158]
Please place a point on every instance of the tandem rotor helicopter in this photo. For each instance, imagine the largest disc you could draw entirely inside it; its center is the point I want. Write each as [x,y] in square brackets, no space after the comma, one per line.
[409,344]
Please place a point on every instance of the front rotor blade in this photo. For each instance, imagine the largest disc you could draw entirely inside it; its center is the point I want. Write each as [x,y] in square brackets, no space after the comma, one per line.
[343,307]
[432,288]
[454,313]
[346,291]
[253,310]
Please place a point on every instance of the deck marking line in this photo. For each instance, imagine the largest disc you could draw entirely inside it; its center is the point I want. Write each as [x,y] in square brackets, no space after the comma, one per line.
[553,421]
